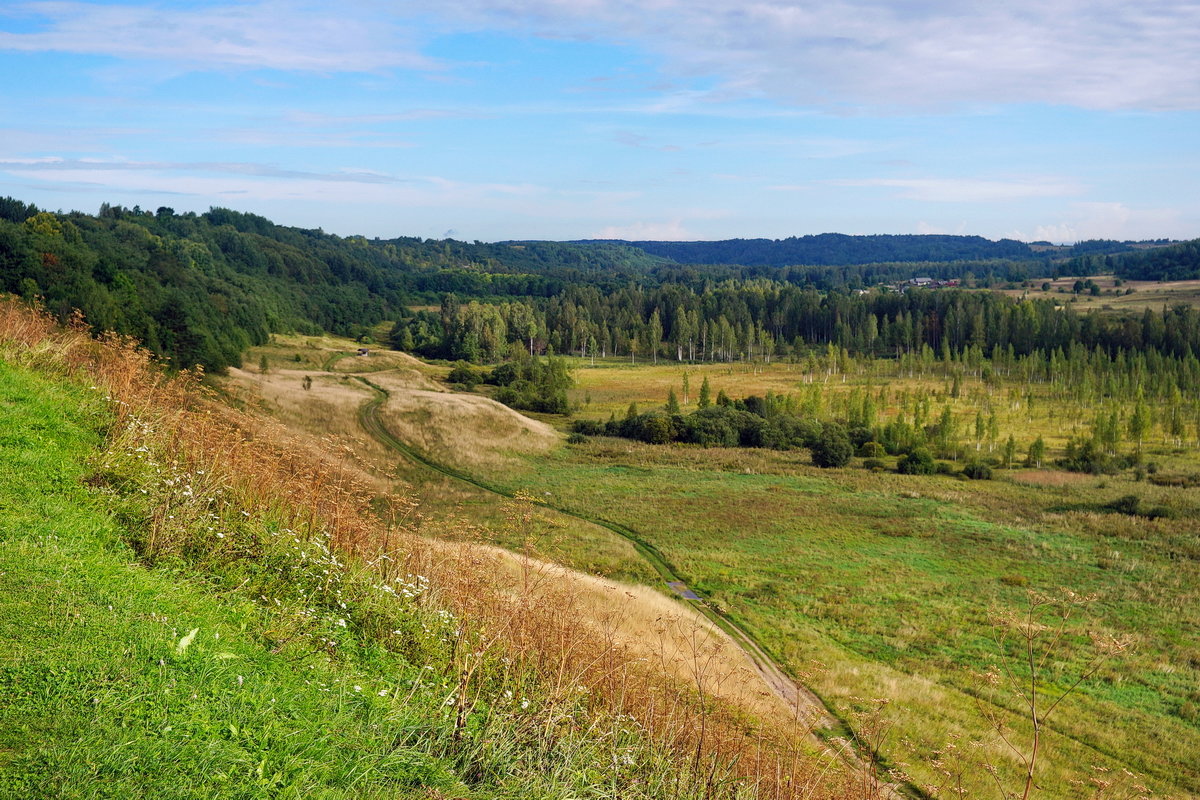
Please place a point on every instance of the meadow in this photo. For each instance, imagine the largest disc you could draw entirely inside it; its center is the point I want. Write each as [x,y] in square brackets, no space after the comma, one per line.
[892,583]
[199,602]
[889,595]
[1115,296]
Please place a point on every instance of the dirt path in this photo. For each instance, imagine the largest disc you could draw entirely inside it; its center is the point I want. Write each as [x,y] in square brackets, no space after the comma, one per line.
[798,699]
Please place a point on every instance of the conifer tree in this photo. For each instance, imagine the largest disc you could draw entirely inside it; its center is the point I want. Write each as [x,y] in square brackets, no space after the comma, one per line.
[705,399]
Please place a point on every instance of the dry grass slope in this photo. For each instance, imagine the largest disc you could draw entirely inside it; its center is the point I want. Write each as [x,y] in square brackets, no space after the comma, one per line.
[596,669]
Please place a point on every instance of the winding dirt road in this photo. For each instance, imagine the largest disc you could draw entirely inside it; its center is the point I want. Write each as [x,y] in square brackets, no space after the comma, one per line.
[799,699]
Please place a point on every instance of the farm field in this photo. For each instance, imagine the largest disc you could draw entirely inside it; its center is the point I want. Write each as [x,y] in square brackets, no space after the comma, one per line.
[1153,295]
[881,591]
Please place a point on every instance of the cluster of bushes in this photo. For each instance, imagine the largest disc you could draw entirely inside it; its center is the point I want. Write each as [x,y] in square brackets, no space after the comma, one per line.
[751,423]
[731,423]
[1133,506]
[531,384]
[1089,455]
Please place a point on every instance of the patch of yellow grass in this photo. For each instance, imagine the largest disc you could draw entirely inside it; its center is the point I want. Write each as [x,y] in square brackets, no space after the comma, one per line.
[465,430]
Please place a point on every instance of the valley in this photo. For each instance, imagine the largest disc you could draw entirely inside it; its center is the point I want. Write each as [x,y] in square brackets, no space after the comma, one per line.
[883,593]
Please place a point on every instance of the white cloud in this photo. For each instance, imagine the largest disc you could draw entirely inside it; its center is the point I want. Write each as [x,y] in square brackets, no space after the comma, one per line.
[275,34]
[842,54]
[1111,221]
[1101,54]
[669,231]
[71,166]
[969,190]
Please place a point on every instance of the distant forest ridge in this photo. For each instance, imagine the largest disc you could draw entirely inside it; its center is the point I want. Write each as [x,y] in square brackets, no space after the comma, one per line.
[201,288]
[838,249]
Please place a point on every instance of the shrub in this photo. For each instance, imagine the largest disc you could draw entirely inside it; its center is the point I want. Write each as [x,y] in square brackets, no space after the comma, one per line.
[577,438]
[874,464]
[872,450]
[1129,504]
[917,462]
[656,429]
[587,427]
[464,375]
[833,447]
[977,471]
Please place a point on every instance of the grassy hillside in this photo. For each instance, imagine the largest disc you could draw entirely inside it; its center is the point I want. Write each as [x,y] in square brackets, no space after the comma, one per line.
[875,586]
[195,604]
[118,681]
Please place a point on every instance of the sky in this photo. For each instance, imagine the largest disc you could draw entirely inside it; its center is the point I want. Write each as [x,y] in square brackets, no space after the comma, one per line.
[1057,120]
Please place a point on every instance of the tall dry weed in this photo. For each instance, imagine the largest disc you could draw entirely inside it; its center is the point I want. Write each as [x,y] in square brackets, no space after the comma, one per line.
[512,623]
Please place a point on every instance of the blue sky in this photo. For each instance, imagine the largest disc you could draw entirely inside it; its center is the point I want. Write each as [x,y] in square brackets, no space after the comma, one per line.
[656,119]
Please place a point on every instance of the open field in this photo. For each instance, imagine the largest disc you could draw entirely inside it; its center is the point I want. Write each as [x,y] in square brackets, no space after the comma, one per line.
[890,582]
[177,619]
[1153,295]
[877,586]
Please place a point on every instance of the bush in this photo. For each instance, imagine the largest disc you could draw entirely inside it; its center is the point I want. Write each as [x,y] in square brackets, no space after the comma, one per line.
[577,438]
[874,464]
[1086,456]
[464,375]
[503,375]
[833,447]
[587,427]
[656,429]
[872,450]
[917,462]
[977,471]
[1129,504]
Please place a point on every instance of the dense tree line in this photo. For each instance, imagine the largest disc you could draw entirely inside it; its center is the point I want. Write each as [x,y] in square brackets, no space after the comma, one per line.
[1179,262]
[837,249]
[829,249]
[762,320]
[201,288]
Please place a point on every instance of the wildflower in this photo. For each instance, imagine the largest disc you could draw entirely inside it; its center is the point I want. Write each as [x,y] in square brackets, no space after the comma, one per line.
[358,688]
[383,692]
[342,622]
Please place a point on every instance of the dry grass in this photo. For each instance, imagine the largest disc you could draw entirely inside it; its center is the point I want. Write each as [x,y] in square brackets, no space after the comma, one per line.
[1146,294]
[586,652]
[462,429]
[1051,477]
[327,414]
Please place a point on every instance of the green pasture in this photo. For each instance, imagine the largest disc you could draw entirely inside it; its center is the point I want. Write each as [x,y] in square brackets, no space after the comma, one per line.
[875,585]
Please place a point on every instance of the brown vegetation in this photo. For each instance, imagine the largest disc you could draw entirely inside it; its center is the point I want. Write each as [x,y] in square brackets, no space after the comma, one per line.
[579,644]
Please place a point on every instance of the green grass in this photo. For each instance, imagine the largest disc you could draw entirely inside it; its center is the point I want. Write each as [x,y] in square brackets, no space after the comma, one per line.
[97,696]
[890,583]
[881,586]
[173,680]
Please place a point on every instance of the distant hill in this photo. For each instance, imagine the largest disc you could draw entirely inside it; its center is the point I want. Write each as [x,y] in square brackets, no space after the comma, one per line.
[841,250]
[1177,262]
[836,249]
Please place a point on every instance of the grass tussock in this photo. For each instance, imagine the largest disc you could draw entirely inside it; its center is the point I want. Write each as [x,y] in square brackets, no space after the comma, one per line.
[501,677]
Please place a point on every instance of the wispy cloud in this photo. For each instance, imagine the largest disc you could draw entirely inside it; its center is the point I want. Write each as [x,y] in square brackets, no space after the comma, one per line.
[968,190]
[276,34]
[843,55]
[1101,54]
[84,165]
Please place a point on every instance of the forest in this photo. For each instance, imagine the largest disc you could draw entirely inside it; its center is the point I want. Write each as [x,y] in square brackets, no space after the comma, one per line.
[198,289]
